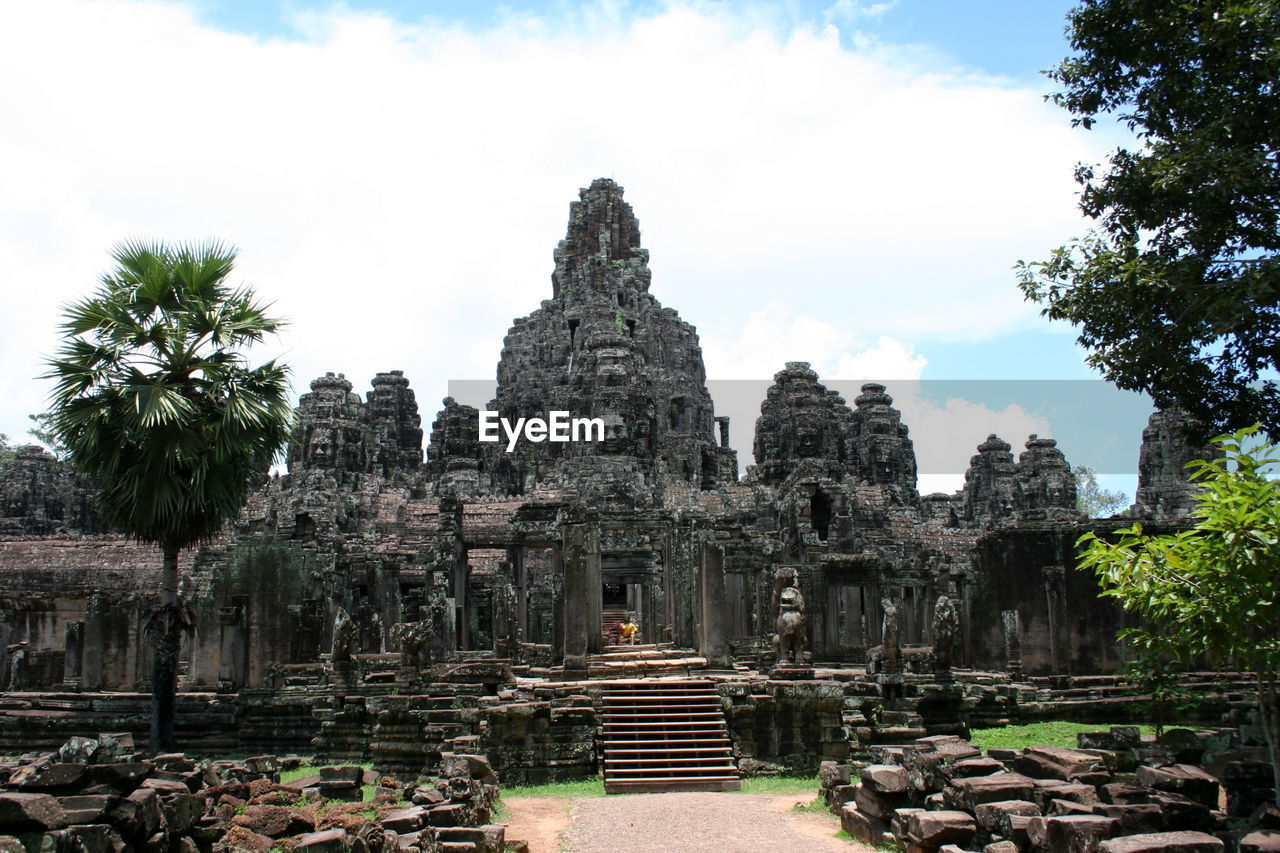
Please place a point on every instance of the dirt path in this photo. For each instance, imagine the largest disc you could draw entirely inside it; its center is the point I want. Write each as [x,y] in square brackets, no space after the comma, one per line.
[541,821]
[660,823]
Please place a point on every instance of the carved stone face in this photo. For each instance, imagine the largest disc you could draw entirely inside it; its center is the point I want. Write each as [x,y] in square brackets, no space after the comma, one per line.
[615,434]
[807,443]
[320,451]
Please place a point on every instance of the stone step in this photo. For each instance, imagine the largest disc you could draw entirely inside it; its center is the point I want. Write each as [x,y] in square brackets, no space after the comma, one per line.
[667,735]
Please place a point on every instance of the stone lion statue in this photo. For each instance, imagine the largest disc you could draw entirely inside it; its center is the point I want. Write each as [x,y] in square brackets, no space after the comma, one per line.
[789,639]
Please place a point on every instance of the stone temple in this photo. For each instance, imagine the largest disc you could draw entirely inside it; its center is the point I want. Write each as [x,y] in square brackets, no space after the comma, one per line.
[372,603]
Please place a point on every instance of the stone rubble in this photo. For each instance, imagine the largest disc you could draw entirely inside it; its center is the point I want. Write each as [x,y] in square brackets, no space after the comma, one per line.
[934,796]
[111,800]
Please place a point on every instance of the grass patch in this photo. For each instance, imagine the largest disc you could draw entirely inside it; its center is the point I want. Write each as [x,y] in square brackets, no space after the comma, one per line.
[1053,733]
[578,788]
[302,770]
[781,785]
[307,768]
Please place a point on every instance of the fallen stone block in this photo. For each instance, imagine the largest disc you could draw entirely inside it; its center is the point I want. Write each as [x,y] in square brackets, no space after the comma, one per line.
[1182,813]
[1086,795]
[968,794]
[90,808]
[1261,841]
[447,814]
[1070,833]
[994,817]
[1184,779]
[898,824]
[22,811]
[839,795]
[1057,763]
[1163,842]
[862,826]
[123,777]
[968,767]
[181,811]
[96,838]
[405,820]
[884,778]
[1001,847]
[933,829]
[165,786]
[47,777]
[1134,819]
[832,775]
[877,804]
[1065,807]
[148,815]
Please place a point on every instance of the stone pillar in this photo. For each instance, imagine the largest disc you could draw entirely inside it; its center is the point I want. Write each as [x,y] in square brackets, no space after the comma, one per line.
[1055,605]
[712,641]
[91,666]
[506,622]
[1012,626]
[233,649]
[73,662]
[593,602]
[577,588]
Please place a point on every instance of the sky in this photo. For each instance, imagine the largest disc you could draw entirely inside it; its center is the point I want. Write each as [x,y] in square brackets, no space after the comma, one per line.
[847,183]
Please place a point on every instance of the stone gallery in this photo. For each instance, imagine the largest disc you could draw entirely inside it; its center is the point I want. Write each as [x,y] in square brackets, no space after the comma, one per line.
[543,604]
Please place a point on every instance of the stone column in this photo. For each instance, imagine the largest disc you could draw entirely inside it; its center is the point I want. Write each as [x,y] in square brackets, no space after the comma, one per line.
[94,640]
[232,653]
[1012,626]
[712,642]
[576,589]
[557,602]
[593,601]
[73,662]
[1055,605]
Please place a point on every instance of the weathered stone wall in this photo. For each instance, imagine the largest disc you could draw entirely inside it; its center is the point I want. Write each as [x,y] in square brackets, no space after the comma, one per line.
[1063,625]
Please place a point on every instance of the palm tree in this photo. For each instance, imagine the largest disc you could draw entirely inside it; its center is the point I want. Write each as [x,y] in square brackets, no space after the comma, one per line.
[155,400]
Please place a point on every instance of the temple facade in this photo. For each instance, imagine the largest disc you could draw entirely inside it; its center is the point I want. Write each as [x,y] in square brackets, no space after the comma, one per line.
[531,557]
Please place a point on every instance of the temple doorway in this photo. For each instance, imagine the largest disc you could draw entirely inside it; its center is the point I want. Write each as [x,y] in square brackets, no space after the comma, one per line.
[619,597]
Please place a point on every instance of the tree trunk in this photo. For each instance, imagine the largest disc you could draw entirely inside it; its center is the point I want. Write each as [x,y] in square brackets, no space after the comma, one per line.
[166,635]
[1269,716]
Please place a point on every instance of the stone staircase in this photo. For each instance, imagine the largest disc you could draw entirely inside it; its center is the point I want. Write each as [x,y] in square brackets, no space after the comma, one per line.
[665,735]
[645,659]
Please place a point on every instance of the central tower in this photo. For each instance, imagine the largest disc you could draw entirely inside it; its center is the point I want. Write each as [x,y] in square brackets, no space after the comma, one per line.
[603,347]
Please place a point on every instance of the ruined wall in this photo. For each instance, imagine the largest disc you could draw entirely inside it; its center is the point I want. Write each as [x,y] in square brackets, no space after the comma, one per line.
[1062,625]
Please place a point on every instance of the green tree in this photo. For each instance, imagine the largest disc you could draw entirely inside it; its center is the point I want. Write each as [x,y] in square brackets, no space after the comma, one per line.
[1093,500]
[1176,291]
[7,452]
[1213,590]
[155,400]
[43,432]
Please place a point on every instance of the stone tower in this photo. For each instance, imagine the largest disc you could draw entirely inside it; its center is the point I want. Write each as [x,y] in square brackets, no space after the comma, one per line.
[802,427]
[331,434]
[395,425]
[883,455]
[1046,485]
[1164,490]
[602,346]
[989,484]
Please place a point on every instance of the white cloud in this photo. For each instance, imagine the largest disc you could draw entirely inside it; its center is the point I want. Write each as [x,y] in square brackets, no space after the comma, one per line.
[849,11]
[775,334]
[398,190]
